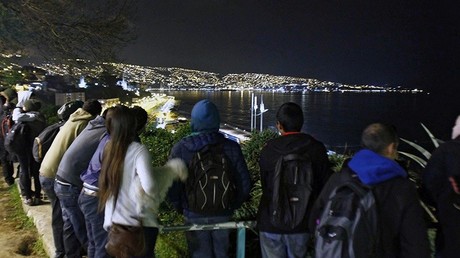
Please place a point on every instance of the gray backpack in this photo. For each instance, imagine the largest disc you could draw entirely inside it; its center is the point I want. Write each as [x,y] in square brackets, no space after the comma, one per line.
[348,225]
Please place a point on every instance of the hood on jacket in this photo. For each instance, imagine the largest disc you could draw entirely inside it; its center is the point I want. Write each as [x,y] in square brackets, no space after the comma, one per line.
[373,168]
[96,123]
[205,117]
[80,114]
[23,96]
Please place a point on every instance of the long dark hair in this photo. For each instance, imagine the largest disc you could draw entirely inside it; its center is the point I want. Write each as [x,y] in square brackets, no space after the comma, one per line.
[121,125]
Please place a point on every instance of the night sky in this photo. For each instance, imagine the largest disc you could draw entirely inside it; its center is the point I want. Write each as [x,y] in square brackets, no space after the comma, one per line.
[409,43]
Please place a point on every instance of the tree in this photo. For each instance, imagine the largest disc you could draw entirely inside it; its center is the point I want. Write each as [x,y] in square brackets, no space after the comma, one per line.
[66,29]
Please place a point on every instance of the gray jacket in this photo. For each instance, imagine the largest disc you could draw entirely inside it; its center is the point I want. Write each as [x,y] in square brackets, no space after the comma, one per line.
[78,155]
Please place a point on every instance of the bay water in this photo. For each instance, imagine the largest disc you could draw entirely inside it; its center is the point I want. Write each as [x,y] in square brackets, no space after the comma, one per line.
[336,119]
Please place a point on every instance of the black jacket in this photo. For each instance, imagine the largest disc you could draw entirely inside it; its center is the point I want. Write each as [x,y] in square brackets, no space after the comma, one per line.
[403,229]
[268,158]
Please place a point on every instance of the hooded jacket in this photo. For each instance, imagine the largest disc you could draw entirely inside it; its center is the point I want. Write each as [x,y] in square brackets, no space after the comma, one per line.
[205,123]
[23,96]
[403,231]
[268,158]
[78,155]
[67,134]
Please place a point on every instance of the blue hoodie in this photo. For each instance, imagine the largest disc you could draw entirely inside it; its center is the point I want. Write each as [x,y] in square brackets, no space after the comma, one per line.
[373,168]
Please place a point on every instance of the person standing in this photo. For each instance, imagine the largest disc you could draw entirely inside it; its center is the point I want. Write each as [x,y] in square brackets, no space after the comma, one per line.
[68,185]
[65,241]
[34,123]
[88,199]
[402,229]
[289,242]
[8,97]
[441,179]
[128,187]
[205,123]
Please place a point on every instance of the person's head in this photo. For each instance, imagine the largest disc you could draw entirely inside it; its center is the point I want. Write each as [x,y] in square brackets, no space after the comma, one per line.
[119,122]
[289,118]
[205,117]
[381,138]
[456,129]
[9,94]
[141,117]
[93,107]
[31,105]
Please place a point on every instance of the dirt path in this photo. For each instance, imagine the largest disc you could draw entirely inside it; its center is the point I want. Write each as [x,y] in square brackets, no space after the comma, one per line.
[15,240]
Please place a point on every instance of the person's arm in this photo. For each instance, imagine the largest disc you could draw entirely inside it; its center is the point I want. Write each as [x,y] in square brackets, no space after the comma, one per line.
[413,232]
[243,180]
[434,176]
[19,116]
[176,191]
[143,167]
[320,202]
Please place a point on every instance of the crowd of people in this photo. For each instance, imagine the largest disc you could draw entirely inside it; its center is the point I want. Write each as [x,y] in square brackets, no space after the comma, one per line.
[97,175]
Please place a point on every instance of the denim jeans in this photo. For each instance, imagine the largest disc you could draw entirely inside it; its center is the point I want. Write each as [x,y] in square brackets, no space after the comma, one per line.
[208,243]
[97,236]
[75,237]
[57,224]
[283,245]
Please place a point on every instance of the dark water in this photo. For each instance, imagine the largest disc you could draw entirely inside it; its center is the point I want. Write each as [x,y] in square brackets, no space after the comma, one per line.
[337,119]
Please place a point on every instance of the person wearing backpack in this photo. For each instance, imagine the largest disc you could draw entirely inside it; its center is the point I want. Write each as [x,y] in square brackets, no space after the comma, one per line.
[33,122]
[66,243]
[293,170]
[204,150]
[8,97]
[441,180]
[386,220]
[43,141]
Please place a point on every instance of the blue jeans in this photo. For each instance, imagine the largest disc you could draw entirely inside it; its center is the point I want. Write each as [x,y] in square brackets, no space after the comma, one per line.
[97,236]
[75,237]
[57,224]
[208,243]
[283,245]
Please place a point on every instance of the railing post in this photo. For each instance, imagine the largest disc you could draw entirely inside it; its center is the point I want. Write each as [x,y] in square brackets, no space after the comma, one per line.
[240,242]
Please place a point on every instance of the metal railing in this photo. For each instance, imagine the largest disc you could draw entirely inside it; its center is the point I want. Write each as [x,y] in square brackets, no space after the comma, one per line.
[240,227]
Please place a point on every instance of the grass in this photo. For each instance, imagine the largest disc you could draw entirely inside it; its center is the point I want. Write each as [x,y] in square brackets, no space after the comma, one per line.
[31,245]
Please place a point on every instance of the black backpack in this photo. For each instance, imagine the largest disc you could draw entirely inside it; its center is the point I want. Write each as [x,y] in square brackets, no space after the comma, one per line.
[210,185]
[348,225]
[17,139]
[291,190]
[43,141]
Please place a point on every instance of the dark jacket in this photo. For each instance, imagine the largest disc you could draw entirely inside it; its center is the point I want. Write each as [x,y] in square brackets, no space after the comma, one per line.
[186,148]
[445,163]
[403,229]
[268,158]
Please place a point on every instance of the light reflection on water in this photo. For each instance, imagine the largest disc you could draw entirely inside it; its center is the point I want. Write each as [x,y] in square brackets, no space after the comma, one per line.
[336,119]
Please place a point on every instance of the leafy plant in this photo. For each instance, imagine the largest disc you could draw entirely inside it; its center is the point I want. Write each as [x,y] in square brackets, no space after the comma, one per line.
[421,160]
